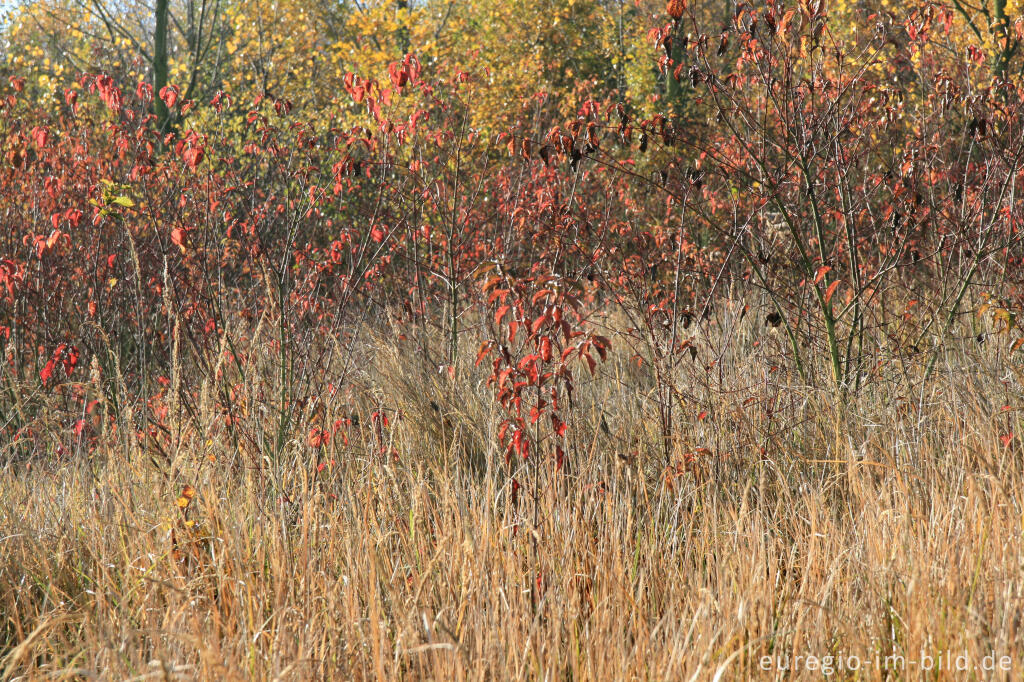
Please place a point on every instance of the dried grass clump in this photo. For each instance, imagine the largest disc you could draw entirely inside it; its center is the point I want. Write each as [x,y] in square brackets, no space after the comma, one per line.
[885,526]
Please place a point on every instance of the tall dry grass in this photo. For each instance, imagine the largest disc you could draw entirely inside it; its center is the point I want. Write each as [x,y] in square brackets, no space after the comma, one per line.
[887,525]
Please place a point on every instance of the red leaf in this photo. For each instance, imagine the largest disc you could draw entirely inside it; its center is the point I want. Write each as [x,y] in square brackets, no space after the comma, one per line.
[318,437]
[70,359]
[529,365]
[64,354]
[590,362]
[169,94]
[47,371]
[40,136]
[820,274]
[399,76]
[545,349]
[517,441]
[1006,439]
[192,156]
[500,313]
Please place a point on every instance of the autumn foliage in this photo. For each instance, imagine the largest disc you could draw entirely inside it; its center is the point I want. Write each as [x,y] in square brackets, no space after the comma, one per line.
[850,196]
[859,196]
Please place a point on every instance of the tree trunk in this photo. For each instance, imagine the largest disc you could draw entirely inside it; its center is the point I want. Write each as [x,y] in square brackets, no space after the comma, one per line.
[674,89]
[160,63]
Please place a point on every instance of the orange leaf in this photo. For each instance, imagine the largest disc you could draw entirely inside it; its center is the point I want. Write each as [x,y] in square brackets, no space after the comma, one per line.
[831,290]
[178,238]
[185,499]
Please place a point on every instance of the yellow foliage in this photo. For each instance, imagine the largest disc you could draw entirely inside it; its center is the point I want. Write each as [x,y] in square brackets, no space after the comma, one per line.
[530,59]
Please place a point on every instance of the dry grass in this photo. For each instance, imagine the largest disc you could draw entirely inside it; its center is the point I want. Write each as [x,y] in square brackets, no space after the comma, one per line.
[886,527]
